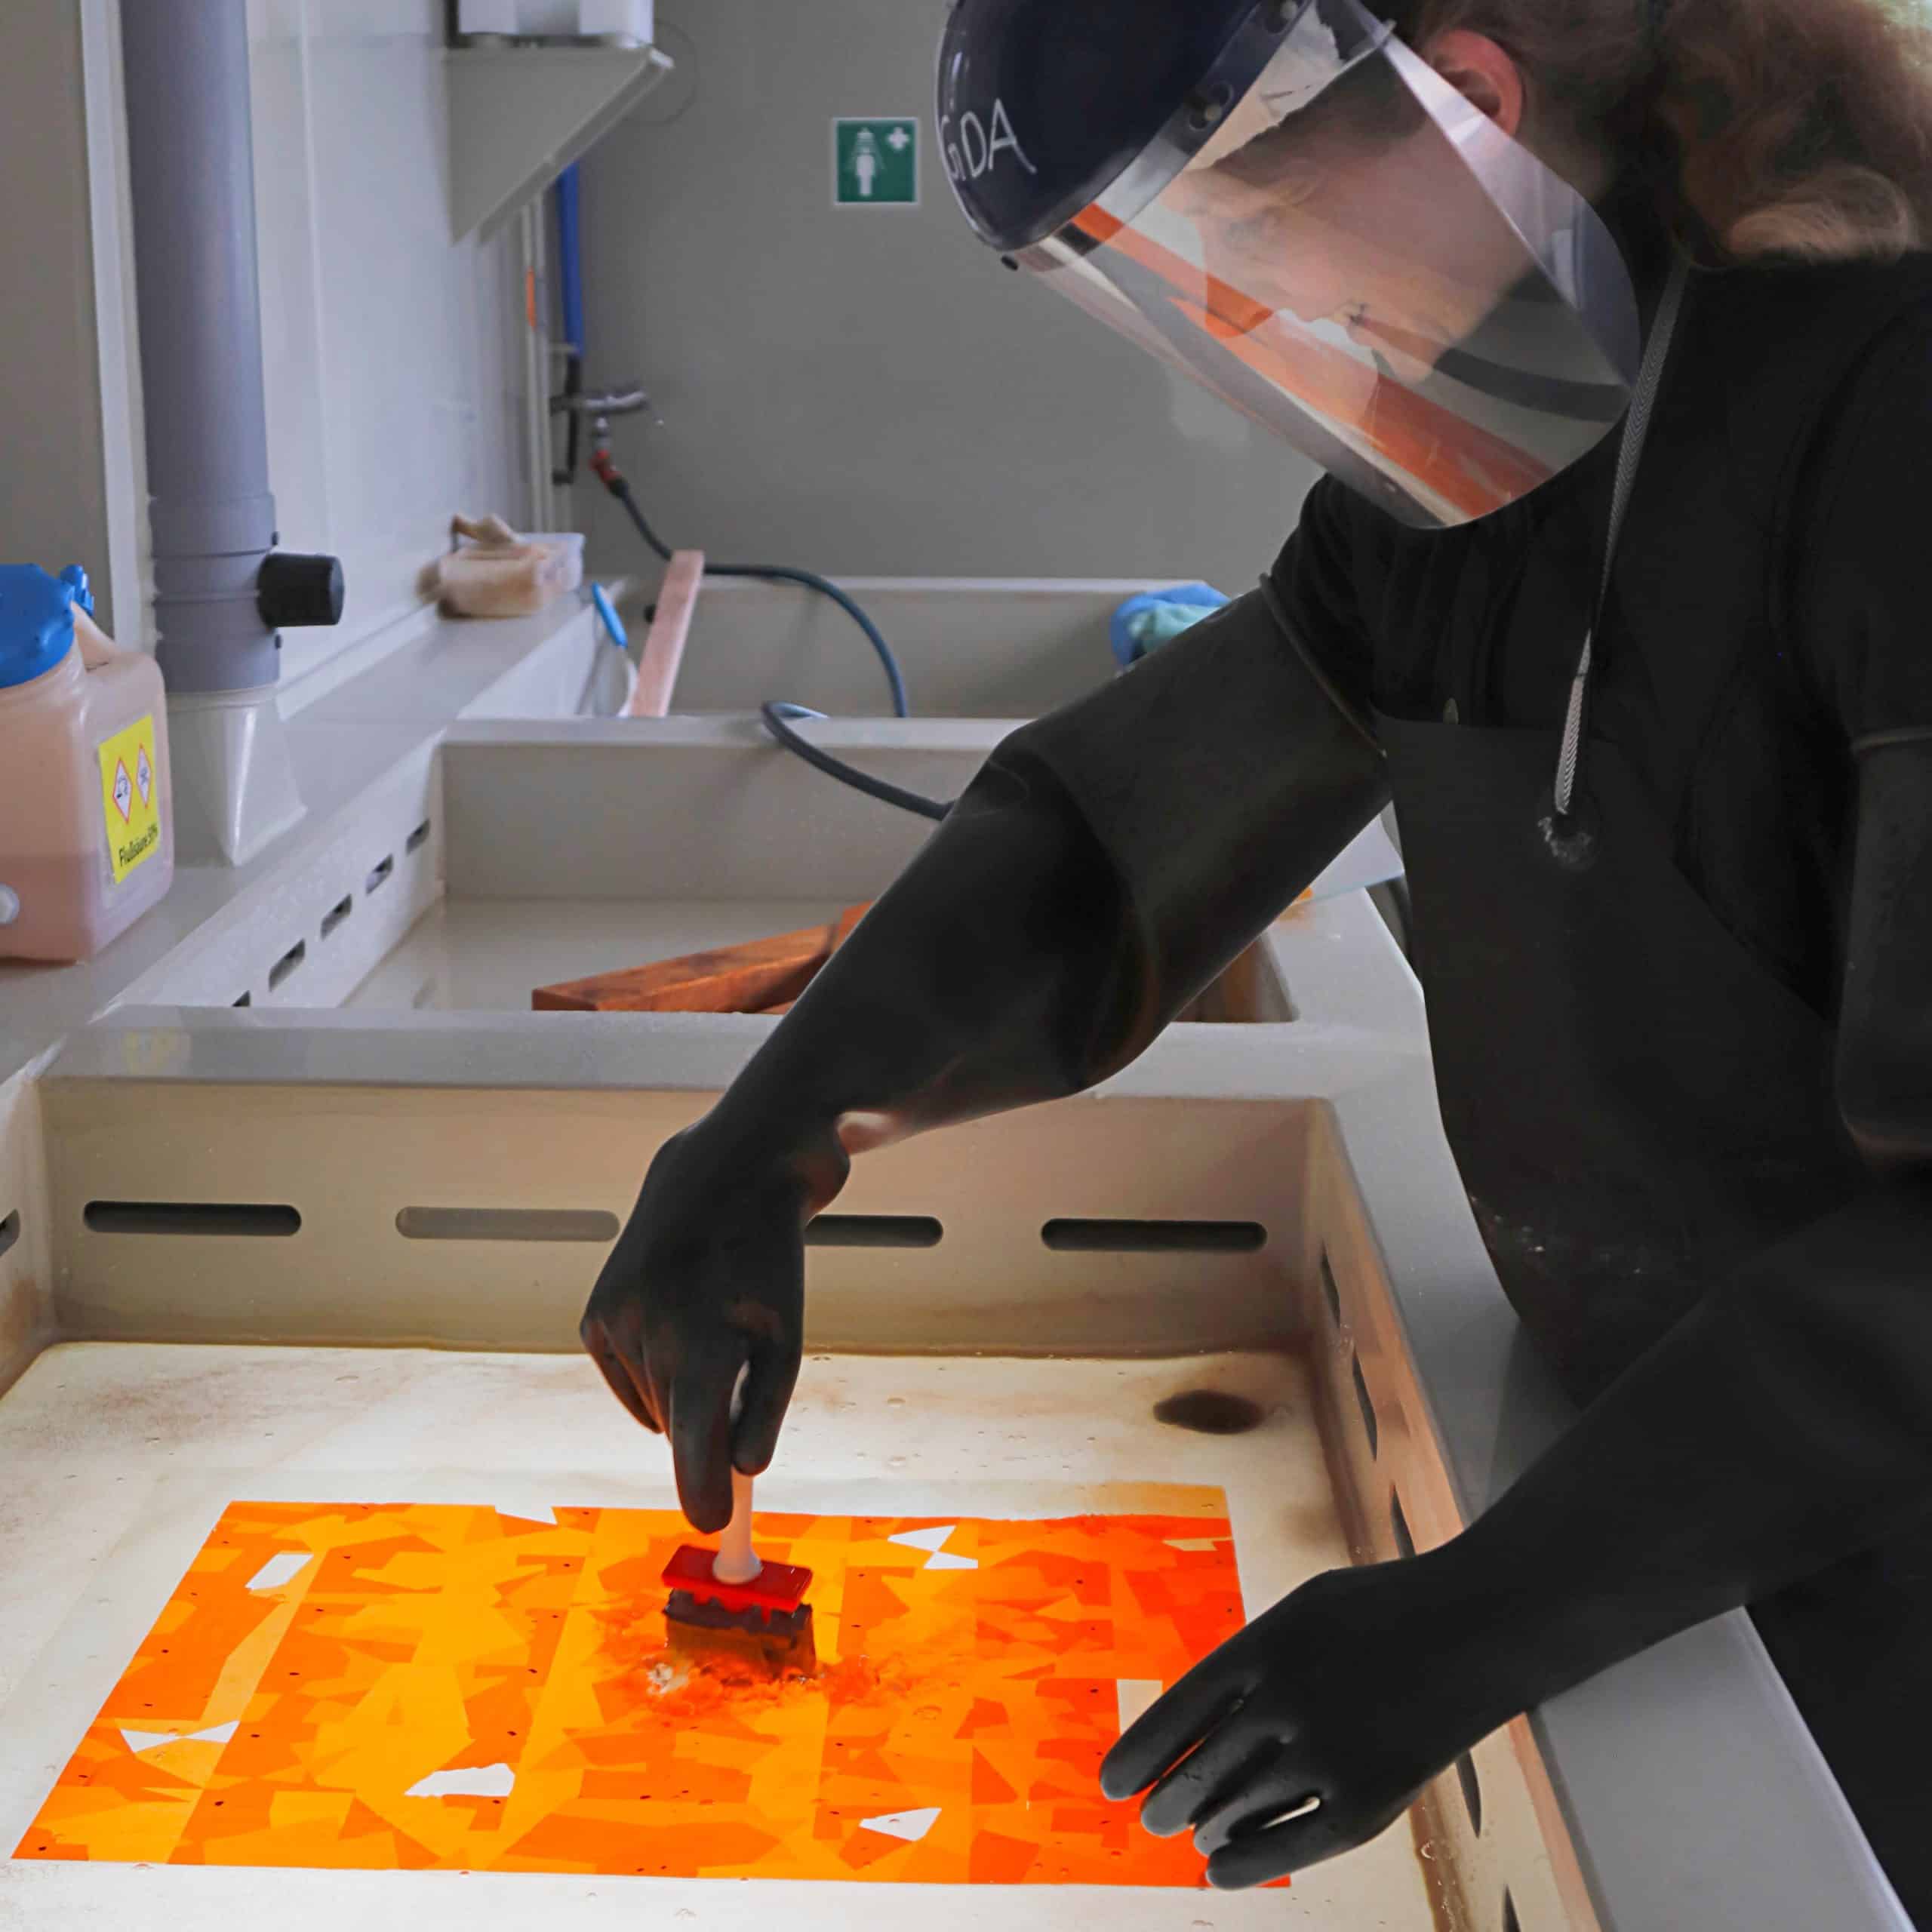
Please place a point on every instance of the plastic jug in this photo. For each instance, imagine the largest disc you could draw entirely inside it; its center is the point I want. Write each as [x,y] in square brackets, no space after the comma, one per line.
[87,830]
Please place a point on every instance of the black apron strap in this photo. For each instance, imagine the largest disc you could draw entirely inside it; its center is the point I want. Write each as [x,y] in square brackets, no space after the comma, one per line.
[1636,434]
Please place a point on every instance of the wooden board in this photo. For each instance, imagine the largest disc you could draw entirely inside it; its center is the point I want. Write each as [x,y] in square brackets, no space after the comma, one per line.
[664,645]
[755,978]
[1498,1811]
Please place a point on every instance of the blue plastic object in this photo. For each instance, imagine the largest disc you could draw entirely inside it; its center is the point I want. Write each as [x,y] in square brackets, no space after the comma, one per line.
[612,624]
[37,619]
[1143,623]
[569,251]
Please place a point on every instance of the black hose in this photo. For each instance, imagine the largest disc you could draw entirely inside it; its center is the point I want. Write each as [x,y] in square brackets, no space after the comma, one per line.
[619,488]
[776,711]
[782,573]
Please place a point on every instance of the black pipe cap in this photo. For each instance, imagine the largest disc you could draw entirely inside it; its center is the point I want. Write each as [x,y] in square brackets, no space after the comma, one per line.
[293,591]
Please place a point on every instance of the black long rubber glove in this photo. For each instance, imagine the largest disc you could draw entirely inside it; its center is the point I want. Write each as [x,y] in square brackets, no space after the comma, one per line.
[1784,1424]
[1106,864]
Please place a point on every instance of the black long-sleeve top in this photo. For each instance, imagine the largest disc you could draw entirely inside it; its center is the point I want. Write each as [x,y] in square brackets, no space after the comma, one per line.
[1765,662]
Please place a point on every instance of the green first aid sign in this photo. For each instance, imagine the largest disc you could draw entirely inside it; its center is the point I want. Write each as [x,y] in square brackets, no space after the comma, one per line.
[874,163]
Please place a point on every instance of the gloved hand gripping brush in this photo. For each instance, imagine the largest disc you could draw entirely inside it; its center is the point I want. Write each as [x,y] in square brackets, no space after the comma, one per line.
[730,1604]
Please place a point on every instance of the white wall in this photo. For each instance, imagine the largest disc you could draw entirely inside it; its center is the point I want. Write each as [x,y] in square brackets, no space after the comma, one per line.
[389,350]
[867,391]
[54,491]
[392,355]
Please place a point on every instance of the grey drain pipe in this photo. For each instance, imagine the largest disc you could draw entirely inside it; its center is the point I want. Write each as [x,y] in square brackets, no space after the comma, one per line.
[222,591]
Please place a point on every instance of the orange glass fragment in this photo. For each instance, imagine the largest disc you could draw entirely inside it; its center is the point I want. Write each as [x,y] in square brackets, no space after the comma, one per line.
[443,1688]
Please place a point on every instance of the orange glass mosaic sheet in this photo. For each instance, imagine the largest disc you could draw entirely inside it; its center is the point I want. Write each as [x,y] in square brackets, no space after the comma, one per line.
[431,1687]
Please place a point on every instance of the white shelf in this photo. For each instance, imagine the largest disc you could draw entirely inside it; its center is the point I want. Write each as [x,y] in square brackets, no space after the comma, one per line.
[520,115]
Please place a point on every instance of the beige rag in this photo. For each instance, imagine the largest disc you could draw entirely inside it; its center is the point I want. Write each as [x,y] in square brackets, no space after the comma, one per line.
[492,572]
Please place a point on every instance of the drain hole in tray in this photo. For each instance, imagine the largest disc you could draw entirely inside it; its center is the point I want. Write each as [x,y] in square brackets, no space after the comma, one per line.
[10,1231]
[1466,1776]
[1209,1412]
[189,1217]
[1399,1524]
[1368,1421]
[1330,1293]
[1070,1237]
[874,1231]
[506,1224]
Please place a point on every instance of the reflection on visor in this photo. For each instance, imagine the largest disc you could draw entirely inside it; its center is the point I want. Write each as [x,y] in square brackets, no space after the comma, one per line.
[1456,467]
[1373,269]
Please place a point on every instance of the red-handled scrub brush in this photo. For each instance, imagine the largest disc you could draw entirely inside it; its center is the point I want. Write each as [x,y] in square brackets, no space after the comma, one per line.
[729,1604]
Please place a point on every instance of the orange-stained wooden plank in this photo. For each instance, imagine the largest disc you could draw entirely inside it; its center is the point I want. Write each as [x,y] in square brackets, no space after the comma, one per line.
[664,644]
[752,977]
[730,979]
[841,932]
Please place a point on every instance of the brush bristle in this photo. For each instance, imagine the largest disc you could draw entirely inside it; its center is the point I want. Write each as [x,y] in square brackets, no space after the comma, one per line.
[779,1641]
[684,1607]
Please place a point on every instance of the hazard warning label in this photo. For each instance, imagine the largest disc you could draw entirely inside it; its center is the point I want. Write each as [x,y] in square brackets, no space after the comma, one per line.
[130,805]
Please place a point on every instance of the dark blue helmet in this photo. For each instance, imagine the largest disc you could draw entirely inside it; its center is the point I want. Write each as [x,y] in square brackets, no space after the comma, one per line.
[1043,103]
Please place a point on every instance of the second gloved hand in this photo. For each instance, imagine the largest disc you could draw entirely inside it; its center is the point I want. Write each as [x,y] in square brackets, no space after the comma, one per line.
[706,1279]
[1312,1731]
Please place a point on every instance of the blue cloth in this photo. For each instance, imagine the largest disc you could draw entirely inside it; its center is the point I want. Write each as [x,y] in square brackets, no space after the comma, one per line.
[1144,622]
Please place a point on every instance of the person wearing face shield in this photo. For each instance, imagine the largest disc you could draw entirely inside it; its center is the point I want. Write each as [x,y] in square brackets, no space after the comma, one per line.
[1609,323]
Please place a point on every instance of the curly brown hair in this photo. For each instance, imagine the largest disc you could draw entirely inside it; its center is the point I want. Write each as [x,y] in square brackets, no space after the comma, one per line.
[1801,128]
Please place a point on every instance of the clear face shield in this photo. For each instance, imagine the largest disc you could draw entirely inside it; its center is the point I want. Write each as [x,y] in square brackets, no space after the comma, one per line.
[1328,235]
